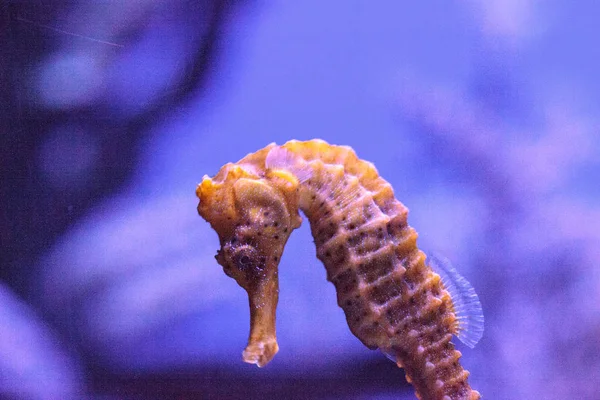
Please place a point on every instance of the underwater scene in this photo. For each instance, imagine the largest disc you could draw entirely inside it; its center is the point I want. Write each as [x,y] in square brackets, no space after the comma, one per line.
[119,121]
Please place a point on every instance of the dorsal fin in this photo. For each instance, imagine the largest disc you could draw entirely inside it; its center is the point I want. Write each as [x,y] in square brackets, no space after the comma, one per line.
[466,302]
[281,158]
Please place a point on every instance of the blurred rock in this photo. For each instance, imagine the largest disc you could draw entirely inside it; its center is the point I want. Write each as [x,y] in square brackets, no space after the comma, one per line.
[33,364]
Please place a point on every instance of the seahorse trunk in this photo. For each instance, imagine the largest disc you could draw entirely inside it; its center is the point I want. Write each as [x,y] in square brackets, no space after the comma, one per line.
[392,300]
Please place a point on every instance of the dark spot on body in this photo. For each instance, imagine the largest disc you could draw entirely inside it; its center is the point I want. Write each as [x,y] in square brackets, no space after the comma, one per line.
[353,241]
[384,292]
[376,268]
[345,281]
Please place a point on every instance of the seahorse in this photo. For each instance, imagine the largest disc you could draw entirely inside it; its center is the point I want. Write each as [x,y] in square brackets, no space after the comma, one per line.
[393,297]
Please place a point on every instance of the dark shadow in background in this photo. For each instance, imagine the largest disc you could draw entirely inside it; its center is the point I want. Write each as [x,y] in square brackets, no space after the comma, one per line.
[355,380]
[33,214]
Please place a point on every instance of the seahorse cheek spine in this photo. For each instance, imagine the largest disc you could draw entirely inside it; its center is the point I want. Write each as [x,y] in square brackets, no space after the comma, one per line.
[391,299]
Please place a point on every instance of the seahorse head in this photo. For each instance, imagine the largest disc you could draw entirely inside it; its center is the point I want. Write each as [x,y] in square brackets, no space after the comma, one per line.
[253,211]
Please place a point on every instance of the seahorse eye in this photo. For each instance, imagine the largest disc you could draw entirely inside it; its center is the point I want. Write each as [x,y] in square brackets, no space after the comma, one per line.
[243,262]
[246,258]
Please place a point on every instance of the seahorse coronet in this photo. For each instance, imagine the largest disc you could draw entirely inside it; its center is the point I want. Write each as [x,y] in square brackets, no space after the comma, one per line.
[391,297]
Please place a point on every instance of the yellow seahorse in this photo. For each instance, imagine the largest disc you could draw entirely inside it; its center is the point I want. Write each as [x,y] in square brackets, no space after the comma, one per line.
[392,298]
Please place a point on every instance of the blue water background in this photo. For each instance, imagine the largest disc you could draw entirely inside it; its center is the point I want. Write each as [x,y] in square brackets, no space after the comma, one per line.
[482,115]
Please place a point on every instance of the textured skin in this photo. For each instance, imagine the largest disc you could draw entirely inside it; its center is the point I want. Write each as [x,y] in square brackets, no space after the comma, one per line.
[392,300]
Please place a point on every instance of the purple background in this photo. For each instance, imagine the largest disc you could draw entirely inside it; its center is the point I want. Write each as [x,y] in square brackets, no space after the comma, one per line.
[482,115]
